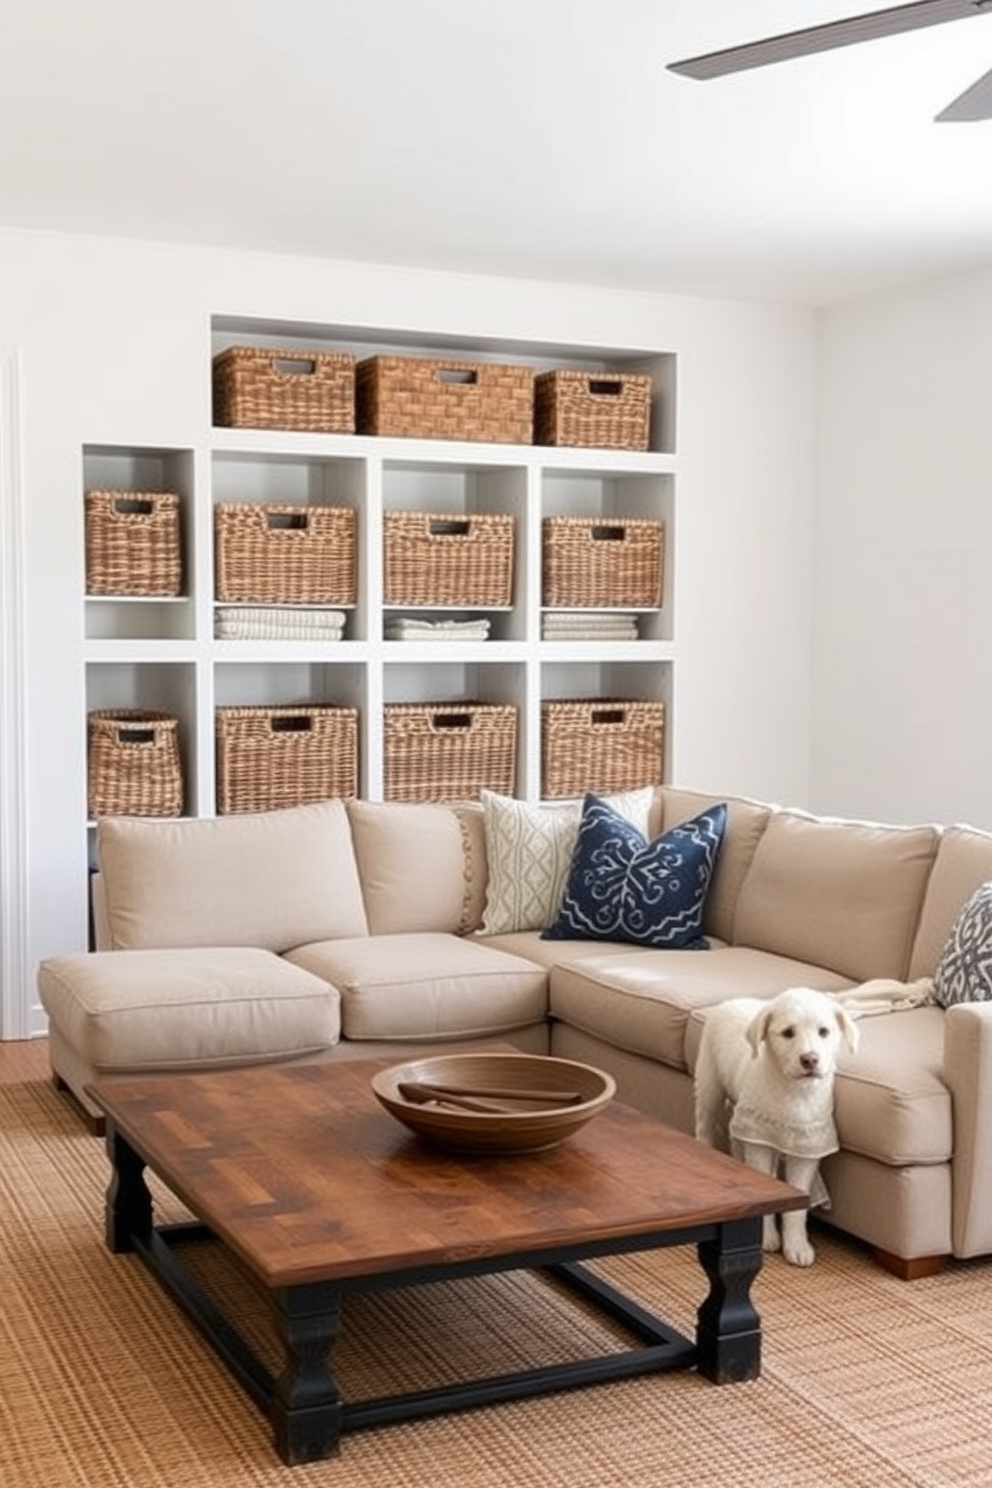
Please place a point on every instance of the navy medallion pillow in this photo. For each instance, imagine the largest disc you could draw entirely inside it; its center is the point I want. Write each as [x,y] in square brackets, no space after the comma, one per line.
[623,887]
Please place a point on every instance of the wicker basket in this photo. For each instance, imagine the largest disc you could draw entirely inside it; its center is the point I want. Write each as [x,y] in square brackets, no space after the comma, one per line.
[427,399]
[133,764]
[258,388]
[132,543]
[269,758]
[448,751]
[285,554]
[603,562]
[433,558]
[601,745]
[601,410]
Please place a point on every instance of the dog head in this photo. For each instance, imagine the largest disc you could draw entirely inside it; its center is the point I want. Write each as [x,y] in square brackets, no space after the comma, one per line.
[802,1032]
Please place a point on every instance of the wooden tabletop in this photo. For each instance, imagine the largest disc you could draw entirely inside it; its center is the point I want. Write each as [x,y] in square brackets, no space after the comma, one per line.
[304,1175]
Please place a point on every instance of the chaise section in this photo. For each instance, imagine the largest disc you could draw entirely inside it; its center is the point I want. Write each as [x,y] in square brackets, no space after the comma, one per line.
[126,1012]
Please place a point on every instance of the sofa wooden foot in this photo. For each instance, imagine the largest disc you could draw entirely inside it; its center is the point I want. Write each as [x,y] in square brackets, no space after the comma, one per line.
[909,1270]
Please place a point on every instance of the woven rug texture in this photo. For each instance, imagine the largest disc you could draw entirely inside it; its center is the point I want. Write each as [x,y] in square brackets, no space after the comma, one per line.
[105,1384]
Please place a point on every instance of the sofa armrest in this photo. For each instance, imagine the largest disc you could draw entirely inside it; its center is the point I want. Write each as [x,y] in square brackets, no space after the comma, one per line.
[968,1076]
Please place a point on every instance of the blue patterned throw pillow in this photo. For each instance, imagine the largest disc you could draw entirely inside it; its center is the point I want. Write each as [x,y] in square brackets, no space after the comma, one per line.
[964,971]
[623,887]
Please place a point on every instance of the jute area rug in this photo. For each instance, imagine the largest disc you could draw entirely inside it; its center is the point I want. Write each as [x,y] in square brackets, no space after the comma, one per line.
[104,1384]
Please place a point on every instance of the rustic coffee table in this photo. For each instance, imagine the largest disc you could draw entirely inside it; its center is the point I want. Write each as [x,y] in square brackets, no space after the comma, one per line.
[319,1191]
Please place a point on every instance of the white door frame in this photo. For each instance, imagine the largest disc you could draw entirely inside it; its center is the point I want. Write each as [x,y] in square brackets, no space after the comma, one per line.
[14,1002]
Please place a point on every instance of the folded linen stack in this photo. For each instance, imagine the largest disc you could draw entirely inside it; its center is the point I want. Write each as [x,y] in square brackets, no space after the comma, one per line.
[595,625]
[277,623]
[403,628]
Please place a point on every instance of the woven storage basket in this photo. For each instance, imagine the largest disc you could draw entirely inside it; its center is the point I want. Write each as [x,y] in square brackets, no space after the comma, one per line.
[285,554]
[448,751]
[427,399]
[258,388]
[268,758]
[133,764]
[432,558]
[602,562]
[601,745]
[132,543]
[601,410]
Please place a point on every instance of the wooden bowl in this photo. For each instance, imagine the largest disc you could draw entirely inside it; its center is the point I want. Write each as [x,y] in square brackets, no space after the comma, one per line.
[493,1103]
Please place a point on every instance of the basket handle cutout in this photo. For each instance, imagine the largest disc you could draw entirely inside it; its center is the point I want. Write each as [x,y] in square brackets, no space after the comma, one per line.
[602,388]
[608,534]
[608,716]
[457,376]
[452,720]
[449,527]
[294,366]
[287,521]
[133,506]
[299,723]
[135,736]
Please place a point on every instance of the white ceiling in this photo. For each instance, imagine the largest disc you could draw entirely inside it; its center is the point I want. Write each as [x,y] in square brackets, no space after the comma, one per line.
[541,138]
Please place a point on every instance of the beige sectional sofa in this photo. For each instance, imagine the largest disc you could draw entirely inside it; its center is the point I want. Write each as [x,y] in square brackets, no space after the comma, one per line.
[360,928]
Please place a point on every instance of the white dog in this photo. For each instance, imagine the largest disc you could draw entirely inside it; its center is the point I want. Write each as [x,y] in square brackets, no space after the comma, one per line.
[764,1088]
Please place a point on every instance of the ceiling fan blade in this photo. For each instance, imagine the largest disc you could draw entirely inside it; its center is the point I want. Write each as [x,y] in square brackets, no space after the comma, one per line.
[828,37]
[973,105]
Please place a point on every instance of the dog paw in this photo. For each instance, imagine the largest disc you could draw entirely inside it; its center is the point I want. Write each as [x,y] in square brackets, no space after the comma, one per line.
[771,1240]
[799,1254]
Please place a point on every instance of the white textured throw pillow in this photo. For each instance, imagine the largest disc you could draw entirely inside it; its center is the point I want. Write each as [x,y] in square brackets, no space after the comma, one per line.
[964,971]
[529,851]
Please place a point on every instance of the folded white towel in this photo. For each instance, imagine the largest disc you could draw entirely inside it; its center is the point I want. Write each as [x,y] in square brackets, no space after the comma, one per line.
[296,615]
[277,633]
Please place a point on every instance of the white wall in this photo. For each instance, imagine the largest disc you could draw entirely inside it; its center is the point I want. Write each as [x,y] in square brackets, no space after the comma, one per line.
[112,342]
[902,661]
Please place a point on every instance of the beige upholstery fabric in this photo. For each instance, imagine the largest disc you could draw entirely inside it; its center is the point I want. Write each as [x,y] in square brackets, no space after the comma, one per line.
[271,879]
[642,1002]
[968,1071]
[413,866]
[964,860]
[158,1010]
[903,1210]
[844,895]
[427,986]
[746,821]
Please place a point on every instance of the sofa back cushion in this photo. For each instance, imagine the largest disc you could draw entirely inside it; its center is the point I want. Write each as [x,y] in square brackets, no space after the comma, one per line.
[417,864]
[844,895]
[272,879]
[964,860]
[746,821]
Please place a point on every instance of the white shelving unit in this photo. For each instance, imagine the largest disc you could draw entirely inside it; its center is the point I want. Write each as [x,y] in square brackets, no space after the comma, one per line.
[162,653]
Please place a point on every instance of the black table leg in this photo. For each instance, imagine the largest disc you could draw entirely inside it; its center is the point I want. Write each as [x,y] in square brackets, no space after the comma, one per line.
[306,1405]
[129,1202]
[728,1329]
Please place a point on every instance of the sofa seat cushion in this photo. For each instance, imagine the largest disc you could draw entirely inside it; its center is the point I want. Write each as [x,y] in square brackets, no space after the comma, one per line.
[427,986]
[548,953]
[126,1011]
[642,1002]
[890,1100]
